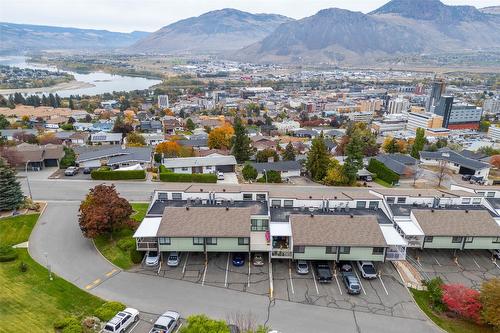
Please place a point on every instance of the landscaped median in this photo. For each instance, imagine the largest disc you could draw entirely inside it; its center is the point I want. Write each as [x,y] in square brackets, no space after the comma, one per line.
[119,247]
[30,301]
[169,176]
[105,173]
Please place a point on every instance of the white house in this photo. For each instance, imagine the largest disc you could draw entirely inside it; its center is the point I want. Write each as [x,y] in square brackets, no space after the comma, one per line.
[205,164]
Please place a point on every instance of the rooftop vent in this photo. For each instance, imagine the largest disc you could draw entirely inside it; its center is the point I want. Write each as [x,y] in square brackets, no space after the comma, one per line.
[310,197]
[312,215]
[335,197]
[420,194]
[352,216]
[227,208]
[201,190]
[187,208]
[223,190]
[432,210]
[466,210]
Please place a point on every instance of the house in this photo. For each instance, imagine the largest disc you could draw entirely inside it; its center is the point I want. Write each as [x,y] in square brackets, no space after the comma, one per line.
[304,133]
[8,134]
[106,138]
[73,138]
[262,143]
[171,124]
[314,222]
[286,168]
[151,126]
[152,139]
[456,162]
[205,164]
[113,156]
[198,144]
[403,165]
[37,157]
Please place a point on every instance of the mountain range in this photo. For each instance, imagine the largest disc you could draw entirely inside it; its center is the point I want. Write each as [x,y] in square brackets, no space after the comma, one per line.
[215,31]
[17,38]
[400,27]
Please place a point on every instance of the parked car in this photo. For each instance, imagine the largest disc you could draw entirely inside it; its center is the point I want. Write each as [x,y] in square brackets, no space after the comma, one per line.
[477,180]
[87,171]
[302,267]
[496,253]
[166,323]
[152,258]
[238,259]
[367,270]
[466,177]
[323,272]
[122,320]
[71,171]
[344,266]
[351,283]
[258,260]
[220,175]
[173,259]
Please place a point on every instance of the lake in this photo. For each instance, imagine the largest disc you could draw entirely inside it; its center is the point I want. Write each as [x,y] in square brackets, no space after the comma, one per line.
[101,82]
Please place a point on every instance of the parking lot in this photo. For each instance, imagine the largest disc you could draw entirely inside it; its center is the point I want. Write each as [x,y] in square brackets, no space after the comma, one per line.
[470,268]
[146,322]
[383,295]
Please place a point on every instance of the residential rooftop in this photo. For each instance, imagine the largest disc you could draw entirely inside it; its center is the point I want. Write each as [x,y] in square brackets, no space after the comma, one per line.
[160,207]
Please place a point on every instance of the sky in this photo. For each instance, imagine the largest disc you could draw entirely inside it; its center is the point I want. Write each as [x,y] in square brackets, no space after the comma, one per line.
[150,15]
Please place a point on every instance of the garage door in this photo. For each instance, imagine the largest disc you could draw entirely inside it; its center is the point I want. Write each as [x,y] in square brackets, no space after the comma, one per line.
[225,168]
[50,163]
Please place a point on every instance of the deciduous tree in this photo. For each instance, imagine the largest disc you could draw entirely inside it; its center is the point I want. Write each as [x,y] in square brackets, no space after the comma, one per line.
[220,137]
[135,140]
[249,172]
[203,324]
[49,138]
[495,161]
[463,301]
[263,156]
[11,195]
[490,299]
[103,211]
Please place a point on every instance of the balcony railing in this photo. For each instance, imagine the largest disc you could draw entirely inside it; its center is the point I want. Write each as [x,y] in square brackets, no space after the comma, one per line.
[395,255]
[281,253]
[147,246]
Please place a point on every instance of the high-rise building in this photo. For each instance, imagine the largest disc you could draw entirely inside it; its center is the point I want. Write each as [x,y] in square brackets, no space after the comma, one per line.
[163,102]
[437,90]
[443,109]
[398,105]
[458,116]
[491,106]
[423,120]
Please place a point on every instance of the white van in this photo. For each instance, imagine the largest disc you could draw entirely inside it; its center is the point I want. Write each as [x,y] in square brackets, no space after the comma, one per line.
[121,321]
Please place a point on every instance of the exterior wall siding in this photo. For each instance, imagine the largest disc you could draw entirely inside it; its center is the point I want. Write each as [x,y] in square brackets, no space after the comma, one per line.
[228,245]
[314,253]
[319,253]
[482,243]
[181,245]
[442,243]
[362,253]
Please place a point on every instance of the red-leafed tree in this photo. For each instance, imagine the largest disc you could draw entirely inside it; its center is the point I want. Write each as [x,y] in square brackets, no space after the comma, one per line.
[495,161]
[463,301]
[103,211]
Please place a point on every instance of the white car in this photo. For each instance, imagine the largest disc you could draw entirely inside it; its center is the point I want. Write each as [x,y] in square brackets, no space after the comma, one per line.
[166,323]
[122,320]
[367,269]
[220,175]
[152,258]
[173,259]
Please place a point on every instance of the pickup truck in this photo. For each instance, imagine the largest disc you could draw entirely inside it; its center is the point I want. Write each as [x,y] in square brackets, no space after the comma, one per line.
[323,272]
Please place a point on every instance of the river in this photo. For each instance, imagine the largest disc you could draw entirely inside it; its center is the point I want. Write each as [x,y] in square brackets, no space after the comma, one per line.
[93,83]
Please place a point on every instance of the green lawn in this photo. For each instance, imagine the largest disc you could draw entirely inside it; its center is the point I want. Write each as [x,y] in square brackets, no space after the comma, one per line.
[451,325]
[29,302]
[108,246]
[382,182]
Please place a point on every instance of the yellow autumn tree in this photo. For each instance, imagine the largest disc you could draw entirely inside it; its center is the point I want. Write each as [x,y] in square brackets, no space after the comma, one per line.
[220,137]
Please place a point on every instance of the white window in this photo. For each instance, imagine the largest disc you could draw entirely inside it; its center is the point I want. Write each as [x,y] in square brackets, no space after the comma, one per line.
[164,240]
[465,201]
[176,196]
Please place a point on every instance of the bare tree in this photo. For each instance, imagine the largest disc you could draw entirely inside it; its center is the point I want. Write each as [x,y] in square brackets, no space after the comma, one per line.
[442,171]
[246,322]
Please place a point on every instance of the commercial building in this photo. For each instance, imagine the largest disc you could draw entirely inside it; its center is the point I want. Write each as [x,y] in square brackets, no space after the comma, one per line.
[163,102]
[398,105]
[437,90]
[458,116]
[494,133]
[423,120]
[491,106]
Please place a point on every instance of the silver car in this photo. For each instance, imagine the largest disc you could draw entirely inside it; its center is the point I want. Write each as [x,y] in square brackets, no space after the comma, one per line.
[166,323]
[173,259]
[302,267]
[367,270]
[152,258]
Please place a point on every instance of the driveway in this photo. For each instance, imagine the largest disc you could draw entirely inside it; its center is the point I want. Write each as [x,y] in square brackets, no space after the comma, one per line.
[75,259]
[229,178]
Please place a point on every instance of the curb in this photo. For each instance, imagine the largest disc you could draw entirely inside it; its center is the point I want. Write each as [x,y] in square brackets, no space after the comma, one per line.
[102,256]
[35,226]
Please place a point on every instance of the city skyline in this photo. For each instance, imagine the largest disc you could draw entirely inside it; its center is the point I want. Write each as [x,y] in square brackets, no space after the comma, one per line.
[158,13]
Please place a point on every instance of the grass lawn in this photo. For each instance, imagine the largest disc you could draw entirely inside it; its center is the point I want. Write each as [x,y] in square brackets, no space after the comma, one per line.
[29,302]
[108,247]
[382,182]
[452,325]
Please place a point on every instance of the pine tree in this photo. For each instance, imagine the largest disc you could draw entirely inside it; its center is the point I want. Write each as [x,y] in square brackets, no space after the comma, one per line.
[11,195]
[419,143]
[71,104]
[317,159]
[242,150]
[354,159]
[289,153]
[190,124]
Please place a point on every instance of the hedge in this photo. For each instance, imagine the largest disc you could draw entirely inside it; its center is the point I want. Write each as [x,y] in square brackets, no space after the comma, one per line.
[7,253]
[188,177]
[108,310]
[382,171]
[118,175]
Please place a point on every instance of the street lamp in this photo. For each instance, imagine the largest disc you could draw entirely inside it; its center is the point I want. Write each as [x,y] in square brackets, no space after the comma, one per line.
[48,266]
[265,174]
[27,179]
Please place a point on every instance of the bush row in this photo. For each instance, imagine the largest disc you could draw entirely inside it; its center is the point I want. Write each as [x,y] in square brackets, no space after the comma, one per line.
[188,177]
[383,172]
[118,175]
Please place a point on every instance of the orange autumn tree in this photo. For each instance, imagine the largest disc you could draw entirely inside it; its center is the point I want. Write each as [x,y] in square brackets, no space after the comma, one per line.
[495,161]
[220,137]
[173,149]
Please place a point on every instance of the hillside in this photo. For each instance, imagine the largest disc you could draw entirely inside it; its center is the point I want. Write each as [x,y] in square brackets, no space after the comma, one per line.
[220,30]
[17,38]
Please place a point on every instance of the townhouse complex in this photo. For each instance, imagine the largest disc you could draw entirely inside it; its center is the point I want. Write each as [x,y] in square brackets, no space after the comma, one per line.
[320,223]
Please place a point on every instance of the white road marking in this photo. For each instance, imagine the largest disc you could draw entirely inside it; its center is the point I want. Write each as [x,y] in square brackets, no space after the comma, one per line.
[314,278]
[178,328]
[361,284]
[338,284]
[496,264]
[383,284]
[476,263]
[185,263]
[249,271]
[227,269]
[204,274]
[290,275]
[136,323]
[437,262]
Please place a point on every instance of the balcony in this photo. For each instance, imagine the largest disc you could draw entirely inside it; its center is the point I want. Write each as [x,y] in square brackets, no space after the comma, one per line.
[146,244]
[281,253]
[395,253]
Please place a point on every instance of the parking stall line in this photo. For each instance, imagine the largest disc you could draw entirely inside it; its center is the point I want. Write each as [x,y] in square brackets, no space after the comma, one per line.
[496,264]
[338,284]
[185,263]
[204,274]
[290,275]
[227,269]
[178,328]
[249,271]
[359,279]
[437,262]
[383,284]
[135,325]
[476,263]
[314,278]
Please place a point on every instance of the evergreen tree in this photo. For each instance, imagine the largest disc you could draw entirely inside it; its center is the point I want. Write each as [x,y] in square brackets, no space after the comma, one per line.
[52,100]
[354,159]
[419,143]
[190,124]
[317,159]
[71,105]
[289,153]
[11,195]
[242,150]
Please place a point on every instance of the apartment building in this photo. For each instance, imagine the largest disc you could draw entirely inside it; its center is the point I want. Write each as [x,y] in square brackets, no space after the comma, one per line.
[316,223]
[423,120]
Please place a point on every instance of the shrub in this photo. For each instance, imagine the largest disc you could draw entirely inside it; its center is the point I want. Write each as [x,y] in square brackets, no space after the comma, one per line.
[7,253]
[188,178]
[136,256]
[435,289]
[463,301]
[73,328]
[30,204]
[126,244]
[64,322]
[490,299]
[249,172]
[23,267]
[382,171]
[108,310]
[118,175]
[272,177]
[69,158]
[163,169]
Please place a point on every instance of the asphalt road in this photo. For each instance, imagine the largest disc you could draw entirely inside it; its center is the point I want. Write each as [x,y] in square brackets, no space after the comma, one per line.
[57,238]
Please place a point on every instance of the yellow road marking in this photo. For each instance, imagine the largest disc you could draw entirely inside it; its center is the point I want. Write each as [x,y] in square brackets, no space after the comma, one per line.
[111,273]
